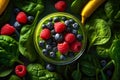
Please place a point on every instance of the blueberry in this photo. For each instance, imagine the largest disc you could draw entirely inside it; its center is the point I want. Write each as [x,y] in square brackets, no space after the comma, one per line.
[68,29]
[67,23]
[75,26]
[55,49]
[44,26]
[54,44]
[63,18]
[62,57]
[16,10]
[49,41]
[50,67]
[56,19]
[71,54]
[17,25]
[79,37]
[58,37]
[50,25]
[103,63]
[52,31]
[42,44]
[75,32]
[71,20]
[30,19]
[45,52]
[52,54]
[48,47]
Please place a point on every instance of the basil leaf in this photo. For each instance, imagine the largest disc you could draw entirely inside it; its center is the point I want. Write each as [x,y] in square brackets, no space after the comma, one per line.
[5,72]
[14,77]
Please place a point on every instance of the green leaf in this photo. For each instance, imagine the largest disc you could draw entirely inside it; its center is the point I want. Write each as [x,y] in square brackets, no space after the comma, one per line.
[77,5]
[77,74]
[30,6]
[99,32]
[14,77]
[26,45]
[5,72]
[8,51]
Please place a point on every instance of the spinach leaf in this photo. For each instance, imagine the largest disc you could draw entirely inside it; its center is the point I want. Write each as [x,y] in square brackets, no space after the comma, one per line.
[8,51]
[30,6]
[98,32]
[14,77]
[5,71]
[111,8]
[26,45]
[77,74]
[115,56]
[77,5]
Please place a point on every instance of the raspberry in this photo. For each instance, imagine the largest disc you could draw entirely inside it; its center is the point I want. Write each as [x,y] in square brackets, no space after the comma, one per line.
[7,29]
[76,46]
[60,6]
[69,37]
[63,47]
[21,17]
[59,27]
[45,34]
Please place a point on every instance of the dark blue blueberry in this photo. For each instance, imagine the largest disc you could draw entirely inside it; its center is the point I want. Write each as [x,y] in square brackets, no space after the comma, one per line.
[71,20]
[44,26]
[79,37]
[62,57]
[56,19]
[42,44]
[109,72]
[103,63]
[49,25]
[49,41]
[71,54]
[17,25]
[45,52]
[75,32]
[52,54]
[50,67]
[52,31]
[30,19]
[75,26]
[54,44]
[63,18]
[58,37]
[48,47]
[55,49]
[68,29]
[67,23]
[16,10]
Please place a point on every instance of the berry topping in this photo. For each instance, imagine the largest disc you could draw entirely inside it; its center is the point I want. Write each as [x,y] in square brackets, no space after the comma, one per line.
[63,47]
[45,34]
[60,5]
[76,46]
[17,25]
[30,19]
[58,37]
[49,25]
[59,27]
[7,29]
[21,18]
[52,54]
[69,37]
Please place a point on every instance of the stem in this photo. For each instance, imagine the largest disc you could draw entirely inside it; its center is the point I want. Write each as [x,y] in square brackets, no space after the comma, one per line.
[108,64]
[97,72]
[19,61]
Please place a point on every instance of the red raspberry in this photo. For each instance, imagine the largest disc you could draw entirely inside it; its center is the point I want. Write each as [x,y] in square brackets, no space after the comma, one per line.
[21,18]
[69,37]
[63,47]
[45,34]
[20,70]
[59,27]
[7,29]
[60,5]
[76,46]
